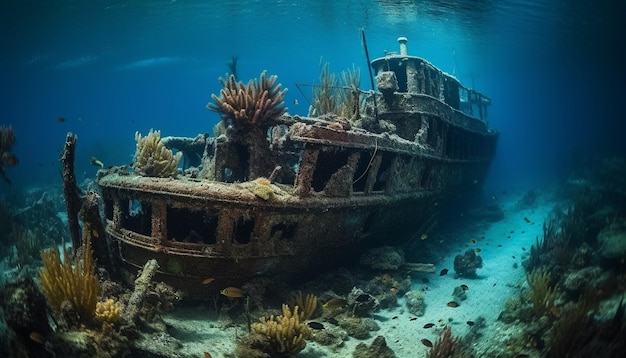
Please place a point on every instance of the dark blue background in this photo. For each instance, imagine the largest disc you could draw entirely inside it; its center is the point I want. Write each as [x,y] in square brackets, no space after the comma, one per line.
[554,70]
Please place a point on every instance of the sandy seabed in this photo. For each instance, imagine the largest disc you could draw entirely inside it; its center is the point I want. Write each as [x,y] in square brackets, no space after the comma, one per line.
[503,244]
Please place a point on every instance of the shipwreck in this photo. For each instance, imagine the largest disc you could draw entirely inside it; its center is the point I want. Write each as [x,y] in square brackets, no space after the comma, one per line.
[275,194]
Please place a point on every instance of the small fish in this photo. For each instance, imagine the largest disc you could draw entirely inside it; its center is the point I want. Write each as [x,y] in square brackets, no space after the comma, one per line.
[443,272]
[477,250]
[37,337]
[412,318]
[500,245]
[424,237]
[472,241]
[233,292]
[334,303]
[96,162]
[295,102]
[387,277]
[465,287]
[394,317]
[527,220]
[208,280]
[61,120]
[554,311]
[429,325]
[453,304]
[470,323]
[523,248]
[315,325]
[427,343]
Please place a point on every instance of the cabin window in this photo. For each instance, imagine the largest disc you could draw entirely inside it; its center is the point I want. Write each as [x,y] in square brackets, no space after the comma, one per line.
[362,170]
[108,209]
[329,161]
[138,217]
[426,175]
[243,230]
[383,172]
[283,231]
[193,226]
[369,221]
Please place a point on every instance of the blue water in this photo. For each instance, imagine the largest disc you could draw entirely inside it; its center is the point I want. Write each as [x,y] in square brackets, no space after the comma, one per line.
[554,70]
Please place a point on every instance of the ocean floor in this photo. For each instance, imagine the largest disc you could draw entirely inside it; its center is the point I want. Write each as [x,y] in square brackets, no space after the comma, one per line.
[503,246]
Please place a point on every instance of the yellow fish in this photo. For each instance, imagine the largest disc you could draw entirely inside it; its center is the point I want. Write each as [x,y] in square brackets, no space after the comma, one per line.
[233,292]
[335,303]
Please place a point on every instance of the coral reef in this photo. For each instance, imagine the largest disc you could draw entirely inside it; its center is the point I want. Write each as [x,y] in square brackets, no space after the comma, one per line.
[383,258]
[378,349]
[612,240]
[357,327]
[74,283]
[248,111]
[152,158]
[542,293]
[466,265]
[415,302]
[252,104]
[445,346]
[25,311]
[324,99]
[307,305]
[287,333]
[27,245]
[109,311]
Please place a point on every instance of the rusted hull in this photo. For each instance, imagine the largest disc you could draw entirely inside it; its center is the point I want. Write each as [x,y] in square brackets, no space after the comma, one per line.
[281,239]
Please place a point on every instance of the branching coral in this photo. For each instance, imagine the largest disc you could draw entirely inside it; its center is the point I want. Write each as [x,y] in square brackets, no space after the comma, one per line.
[349,98]
[153,159]
[445,346]
[251,104]
[306,304]
[543,295]
[74,282]
[324,100]
[27,245]
[286,332]
[109,311]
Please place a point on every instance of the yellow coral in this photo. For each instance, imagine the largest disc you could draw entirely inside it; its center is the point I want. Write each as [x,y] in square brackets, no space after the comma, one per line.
[152,158]
[307,304]
[542,295]
[250,104]
[287,334]
[109,311]
[74,282]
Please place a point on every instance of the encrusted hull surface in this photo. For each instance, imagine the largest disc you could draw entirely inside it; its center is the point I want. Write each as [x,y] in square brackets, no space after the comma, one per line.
[283,196]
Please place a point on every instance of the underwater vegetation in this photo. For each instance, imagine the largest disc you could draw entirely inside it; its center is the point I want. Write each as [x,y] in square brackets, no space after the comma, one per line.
[251,104]
[573,303]
[337,95]
[71,288]
[153,159]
